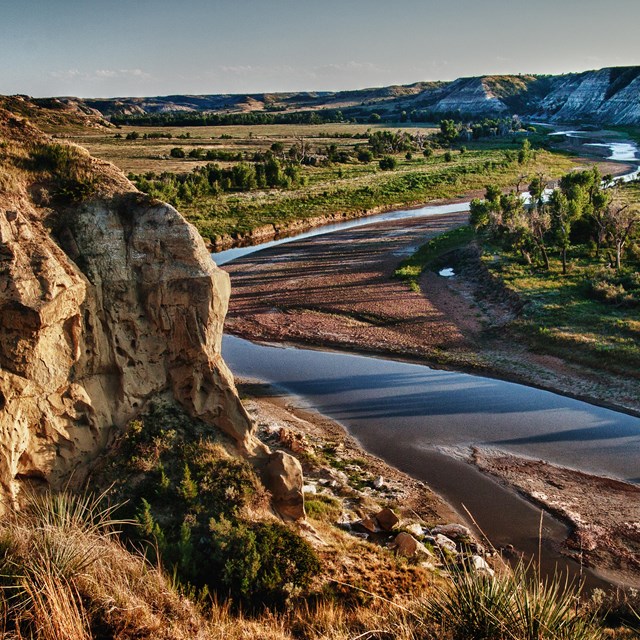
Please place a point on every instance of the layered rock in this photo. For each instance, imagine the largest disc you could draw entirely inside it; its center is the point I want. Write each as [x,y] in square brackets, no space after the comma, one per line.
[125,304]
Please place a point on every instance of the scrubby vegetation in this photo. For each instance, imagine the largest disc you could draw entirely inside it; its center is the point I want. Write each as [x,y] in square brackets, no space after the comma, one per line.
[59,173]
[204,514]
[573,257]
[281,186]
[65,574]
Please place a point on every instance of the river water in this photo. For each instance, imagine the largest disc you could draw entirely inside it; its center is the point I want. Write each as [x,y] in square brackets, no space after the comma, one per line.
[423,420]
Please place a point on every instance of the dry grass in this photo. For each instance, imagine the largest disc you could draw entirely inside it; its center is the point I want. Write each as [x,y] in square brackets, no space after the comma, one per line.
[140,156]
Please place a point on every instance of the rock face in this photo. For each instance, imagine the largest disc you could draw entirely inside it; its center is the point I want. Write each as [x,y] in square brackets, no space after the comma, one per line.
[126,305]
[469,96]
[607,96]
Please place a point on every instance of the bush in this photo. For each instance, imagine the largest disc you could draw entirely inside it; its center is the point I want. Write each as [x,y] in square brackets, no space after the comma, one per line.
[177,152]
[69,167]
[448,156]
[388,163]
[196,509]
[261,561]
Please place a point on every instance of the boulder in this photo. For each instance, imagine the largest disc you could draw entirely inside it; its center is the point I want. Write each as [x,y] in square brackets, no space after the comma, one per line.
[406,545]
[367,525]
[453,531]
[387,519]
[445,543]
[284,479]
[415,530]
[481,566]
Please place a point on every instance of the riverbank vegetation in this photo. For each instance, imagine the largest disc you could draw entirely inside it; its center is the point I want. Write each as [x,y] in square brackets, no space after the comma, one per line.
[68,573]
[235,181]
[84,566]
[573,258]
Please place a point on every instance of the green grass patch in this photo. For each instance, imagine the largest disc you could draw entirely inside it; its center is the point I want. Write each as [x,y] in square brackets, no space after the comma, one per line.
[588,316]
[411,268]
[321,507]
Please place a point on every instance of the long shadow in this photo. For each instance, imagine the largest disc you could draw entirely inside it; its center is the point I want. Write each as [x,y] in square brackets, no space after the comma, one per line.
[603,431]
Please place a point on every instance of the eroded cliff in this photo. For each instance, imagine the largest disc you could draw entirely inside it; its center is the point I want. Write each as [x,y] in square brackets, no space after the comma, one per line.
[107,300]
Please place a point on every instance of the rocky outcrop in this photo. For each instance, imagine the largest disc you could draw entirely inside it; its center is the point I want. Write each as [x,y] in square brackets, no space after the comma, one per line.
[283,475]
[607,96]
[469,96]
[123,305]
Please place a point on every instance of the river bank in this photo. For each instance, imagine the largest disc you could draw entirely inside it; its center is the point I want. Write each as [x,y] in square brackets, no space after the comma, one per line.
[289,228]
[341,294]
[602,514]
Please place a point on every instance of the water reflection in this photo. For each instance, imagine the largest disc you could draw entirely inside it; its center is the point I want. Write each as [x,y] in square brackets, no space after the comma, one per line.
[383,400]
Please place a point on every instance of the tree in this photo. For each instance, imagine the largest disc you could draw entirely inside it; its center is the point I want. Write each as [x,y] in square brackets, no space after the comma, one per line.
[278,149]
[563,213]
[620,219]
[448,130]
[525,154]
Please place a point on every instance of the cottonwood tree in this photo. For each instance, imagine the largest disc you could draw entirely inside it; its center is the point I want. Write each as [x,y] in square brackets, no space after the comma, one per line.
[539,219]
[621,218]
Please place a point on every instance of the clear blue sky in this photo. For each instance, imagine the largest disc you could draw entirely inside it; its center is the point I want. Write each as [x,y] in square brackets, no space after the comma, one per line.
[157,47]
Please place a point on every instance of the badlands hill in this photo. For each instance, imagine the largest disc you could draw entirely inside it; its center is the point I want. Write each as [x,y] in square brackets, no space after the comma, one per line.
[108,300]
[609,96]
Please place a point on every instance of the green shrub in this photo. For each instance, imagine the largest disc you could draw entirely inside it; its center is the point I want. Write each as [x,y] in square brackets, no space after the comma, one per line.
[387,163]
[261,561]
[68,167]
[619,289]
[323,507]
[195,507]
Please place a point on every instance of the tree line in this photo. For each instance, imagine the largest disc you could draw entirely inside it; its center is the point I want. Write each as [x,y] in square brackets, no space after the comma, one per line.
[585,209]
[211,180]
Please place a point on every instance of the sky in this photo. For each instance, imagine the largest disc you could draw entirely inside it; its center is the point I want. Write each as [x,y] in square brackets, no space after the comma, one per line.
[108,48]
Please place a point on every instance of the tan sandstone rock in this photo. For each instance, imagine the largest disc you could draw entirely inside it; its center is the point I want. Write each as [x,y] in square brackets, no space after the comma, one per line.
[283,476]
[123,305]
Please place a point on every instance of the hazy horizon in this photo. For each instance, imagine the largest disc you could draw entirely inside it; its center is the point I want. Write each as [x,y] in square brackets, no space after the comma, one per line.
[157,47]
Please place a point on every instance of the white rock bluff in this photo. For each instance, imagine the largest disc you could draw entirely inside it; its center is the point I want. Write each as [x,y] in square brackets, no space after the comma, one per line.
[126,306]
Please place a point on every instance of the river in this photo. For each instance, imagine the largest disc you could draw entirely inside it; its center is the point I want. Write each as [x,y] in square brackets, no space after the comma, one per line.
[423,421]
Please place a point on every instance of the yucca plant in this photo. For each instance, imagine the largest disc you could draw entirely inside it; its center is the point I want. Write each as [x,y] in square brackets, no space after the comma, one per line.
[547,608]
[514,605]
[472,606]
